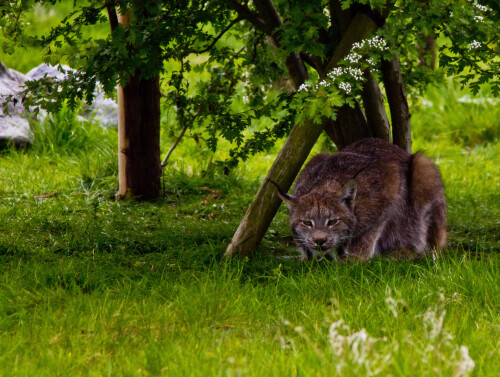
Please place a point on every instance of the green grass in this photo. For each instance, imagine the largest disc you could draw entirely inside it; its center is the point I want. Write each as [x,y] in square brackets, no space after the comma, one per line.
[94,286]
[90,286]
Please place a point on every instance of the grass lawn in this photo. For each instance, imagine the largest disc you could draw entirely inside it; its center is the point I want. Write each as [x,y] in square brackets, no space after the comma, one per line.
[90,286]
[93,286]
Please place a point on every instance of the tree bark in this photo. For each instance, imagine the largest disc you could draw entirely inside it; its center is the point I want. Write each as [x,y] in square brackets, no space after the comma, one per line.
[351,125]
[138,136]
[139,139]
[373,104]
[427,52]
[290,159]
[400,113]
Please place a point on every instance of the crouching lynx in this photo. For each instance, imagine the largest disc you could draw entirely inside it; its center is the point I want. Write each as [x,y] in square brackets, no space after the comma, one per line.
[370,198]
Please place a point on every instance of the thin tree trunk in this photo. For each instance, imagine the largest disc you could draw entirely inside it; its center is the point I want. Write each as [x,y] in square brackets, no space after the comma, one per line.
[290,159]
[349,126]
[427,52]
[400,113]
[138,136]
[374,108]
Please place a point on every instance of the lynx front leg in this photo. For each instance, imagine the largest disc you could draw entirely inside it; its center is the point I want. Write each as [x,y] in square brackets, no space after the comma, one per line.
[363,247]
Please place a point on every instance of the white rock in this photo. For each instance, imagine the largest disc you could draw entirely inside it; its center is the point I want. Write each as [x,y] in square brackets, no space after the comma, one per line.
[14,127]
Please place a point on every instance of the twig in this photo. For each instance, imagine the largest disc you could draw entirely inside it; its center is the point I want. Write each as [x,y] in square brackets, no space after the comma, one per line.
[170,151]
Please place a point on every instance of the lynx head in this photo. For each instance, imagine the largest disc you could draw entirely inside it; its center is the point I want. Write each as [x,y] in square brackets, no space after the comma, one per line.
[322,220]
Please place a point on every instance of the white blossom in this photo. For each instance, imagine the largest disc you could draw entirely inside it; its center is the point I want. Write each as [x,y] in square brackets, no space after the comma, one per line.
[337,71]
[346,87]
[480,7]
[478,18]
[465,365]
[304,87]
[474,44]
[353,57]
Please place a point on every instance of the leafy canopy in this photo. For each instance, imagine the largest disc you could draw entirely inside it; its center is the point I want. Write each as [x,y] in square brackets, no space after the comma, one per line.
[240,57]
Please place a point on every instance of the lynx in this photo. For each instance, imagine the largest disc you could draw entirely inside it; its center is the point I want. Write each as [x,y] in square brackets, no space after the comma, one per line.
[371,198]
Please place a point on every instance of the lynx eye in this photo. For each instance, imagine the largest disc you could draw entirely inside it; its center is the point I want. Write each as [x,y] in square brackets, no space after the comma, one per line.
[332,222]
[307,223]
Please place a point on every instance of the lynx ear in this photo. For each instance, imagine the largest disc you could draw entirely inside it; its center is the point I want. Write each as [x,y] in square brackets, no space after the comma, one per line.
[288,199]
[347,194]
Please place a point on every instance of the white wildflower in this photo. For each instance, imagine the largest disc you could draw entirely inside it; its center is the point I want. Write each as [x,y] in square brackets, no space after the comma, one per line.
[337,71]
[356,73]
[358,45]
[353,57]
[465,365]
[378,43]
[451,14]
[478,18]
[433,323]
[304,86]
[474,44]
[346,87]
[480,7]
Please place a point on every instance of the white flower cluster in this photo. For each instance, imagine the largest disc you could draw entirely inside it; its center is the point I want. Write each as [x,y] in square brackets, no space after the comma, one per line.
[478,18]
[353,58]
[304,86]
[480,7]
[346,87]
[474,44]
[375,42]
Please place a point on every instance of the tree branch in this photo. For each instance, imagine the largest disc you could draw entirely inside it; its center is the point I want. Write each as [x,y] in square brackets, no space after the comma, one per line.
[373,104]
[245,12]
[112,16]
[170,151]
[216,38]
[400,113]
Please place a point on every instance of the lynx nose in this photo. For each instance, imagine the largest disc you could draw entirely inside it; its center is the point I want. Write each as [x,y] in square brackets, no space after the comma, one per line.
[320,241]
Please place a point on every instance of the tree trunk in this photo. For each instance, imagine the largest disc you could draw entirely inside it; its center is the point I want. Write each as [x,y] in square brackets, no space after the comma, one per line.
[400,113]
[427,52]
[138,136]
[139,139]
[291,157]
[266,203]
[349,126]
[374,108]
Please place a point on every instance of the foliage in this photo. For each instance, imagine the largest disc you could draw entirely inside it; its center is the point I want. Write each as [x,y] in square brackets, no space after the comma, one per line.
[242,70]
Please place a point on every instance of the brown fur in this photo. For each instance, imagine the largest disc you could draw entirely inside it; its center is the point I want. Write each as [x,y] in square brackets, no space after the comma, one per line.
[370,198]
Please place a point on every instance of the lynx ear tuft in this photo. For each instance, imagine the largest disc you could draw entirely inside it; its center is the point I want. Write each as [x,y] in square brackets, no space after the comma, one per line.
[347,194]
[288,199]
